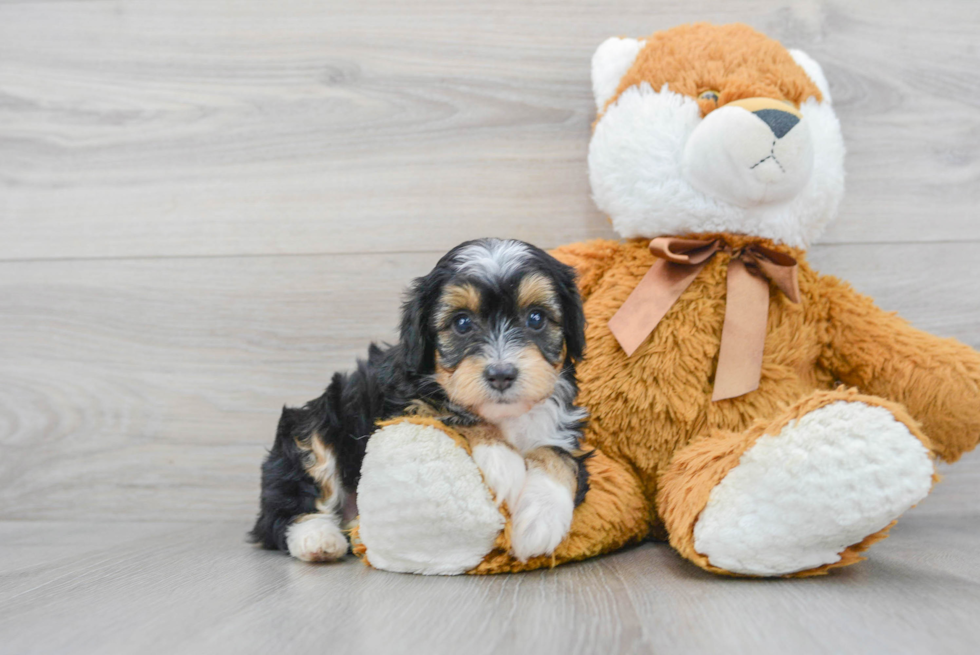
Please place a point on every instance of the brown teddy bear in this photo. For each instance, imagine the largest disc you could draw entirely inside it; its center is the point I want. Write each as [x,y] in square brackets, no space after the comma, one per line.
[765,419]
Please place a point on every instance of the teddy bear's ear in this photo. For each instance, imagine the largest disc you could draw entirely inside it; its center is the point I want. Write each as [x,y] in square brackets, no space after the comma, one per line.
[814,72]
[609,63]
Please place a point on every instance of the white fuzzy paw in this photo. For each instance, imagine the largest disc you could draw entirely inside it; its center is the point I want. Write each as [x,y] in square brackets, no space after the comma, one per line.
[316,539]
[796,500]
[542,516]
[504,470]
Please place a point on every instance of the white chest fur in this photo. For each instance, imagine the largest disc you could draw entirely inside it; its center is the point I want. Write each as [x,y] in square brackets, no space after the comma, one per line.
[549,423]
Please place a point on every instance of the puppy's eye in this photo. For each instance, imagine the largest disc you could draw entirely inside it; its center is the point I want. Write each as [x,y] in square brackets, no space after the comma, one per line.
[535,320]
[462,323]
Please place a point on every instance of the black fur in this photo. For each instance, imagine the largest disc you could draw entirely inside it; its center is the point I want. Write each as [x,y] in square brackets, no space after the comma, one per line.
[417,335]
[391,378]
[573,315]
[583,476]
[343,417]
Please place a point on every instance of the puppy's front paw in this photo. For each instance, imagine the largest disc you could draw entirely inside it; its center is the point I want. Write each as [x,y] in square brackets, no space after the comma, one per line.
[316,539]
[542,517]
[503,469]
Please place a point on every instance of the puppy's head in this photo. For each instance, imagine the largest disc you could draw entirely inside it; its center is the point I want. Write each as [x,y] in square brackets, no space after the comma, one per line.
[497,323]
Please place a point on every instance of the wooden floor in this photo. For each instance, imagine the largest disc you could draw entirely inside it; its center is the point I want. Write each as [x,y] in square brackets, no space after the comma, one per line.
[206,207]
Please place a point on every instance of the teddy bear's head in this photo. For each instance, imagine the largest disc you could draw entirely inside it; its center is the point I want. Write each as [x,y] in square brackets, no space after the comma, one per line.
[706,128]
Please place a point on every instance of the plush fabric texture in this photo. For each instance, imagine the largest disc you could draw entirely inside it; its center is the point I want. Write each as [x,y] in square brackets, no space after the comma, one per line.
[424,506]
[660,397]
[797,499]
[832,469]
[814,72]
[664,161]
[696,471]
[734,60]
[805,473]
[611,61]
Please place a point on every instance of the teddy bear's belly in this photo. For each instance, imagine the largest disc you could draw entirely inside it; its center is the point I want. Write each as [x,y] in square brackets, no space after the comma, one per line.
[645,407]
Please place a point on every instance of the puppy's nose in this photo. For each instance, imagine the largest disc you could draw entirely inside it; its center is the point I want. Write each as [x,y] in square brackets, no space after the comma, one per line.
[500,376]
[779,121]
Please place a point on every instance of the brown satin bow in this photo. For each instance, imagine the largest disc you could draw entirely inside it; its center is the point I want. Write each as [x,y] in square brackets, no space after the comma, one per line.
[743,336]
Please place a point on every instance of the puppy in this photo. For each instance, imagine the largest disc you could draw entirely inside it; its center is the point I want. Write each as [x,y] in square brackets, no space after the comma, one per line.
[488,344]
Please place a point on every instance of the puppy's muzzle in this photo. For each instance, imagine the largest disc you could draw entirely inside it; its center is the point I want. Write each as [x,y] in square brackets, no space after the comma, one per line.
[500,376]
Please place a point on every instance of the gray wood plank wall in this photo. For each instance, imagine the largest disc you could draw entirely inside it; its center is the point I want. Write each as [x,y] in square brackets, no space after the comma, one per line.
[205,208]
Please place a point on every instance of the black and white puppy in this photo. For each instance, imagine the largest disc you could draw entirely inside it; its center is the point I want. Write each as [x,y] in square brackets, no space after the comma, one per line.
[488,344]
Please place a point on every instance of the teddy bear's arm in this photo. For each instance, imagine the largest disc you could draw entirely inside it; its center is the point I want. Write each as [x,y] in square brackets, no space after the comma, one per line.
[590,259]
[938,380]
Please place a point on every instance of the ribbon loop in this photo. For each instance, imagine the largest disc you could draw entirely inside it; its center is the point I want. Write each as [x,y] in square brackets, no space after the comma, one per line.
[778,267]
[743,335]
[685,251]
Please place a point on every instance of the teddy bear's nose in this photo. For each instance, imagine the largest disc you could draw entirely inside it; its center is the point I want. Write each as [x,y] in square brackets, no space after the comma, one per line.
[781,116]
[779,121]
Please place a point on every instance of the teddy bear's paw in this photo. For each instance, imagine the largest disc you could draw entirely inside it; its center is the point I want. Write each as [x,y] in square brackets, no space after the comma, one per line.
[316,538]
[504,470]
[424,506]
[542,516]
[797,500]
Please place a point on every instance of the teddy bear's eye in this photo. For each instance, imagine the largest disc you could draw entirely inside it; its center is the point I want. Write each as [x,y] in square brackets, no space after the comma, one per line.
[709,95]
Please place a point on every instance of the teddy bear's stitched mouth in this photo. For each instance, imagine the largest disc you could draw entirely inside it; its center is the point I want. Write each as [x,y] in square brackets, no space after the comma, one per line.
[772,156]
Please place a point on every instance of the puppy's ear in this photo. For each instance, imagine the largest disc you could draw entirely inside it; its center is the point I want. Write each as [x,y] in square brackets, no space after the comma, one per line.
[417,338]
[573,316]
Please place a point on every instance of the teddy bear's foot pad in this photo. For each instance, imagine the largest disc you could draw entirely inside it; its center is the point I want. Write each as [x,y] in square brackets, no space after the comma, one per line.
[424,507]
[798,499]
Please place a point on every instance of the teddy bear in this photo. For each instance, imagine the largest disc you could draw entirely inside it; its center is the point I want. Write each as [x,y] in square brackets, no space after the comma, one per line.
[764,419]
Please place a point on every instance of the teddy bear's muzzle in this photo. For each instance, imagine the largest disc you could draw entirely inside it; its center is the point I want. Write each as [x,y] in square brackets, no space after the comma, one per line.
[750,152]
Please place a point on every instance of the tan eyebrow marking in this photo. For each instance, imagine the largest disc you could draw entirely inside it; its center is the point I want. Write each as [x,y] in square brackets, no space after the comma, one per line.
[537,289]
[456,297]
